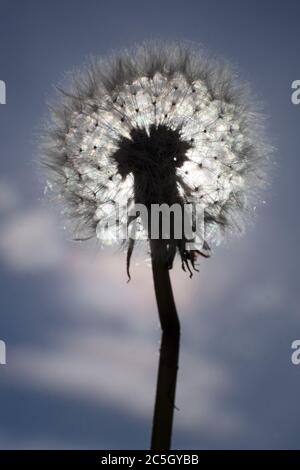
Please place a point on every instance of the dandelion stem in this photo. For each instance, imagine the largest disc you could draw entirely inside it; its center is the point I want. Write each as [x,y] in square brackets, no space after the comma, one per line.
[169,355]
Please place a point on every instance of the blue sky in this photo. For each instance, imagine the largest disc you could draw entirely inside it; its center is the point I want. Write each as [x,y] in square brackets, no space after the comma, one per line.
[82,345]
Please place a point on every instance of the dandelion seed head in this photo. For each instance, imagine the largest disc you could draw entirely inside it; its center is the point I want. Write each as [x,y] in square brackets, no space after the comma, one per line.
[155,124]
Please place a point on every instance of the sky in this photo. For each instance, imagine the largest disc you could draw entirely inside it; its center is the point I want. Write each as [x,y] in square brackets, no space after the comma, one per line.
[82,344]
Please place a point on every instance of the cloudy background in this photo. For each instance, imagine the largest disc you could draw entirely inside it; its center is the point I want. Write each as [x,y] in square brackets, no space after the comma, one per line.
[82,345]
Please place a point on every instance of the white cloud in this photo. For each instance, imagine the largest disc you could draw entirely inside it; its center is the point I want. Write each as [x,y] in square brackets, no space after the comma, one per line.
[9,196]
[95,285]
[29,240]
[120,370]
[117,366]
[263,297]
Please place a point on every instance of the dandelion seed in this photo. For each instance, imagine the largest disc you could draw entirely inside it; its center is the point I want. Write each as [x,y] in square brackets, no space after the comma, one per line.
[158,88]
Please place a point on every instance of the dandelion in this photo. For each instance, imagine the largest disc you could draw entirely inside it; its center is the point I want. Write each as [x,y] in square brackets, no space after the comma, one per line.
[156,124]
